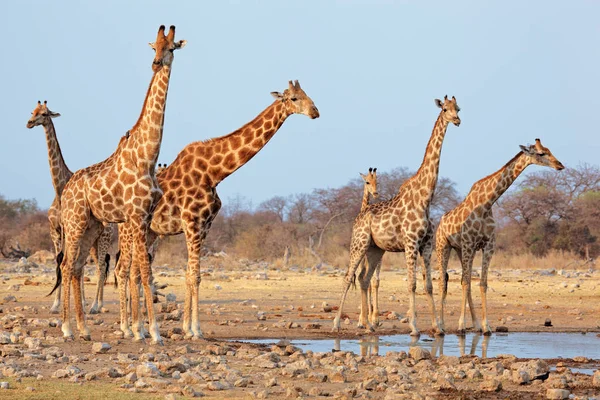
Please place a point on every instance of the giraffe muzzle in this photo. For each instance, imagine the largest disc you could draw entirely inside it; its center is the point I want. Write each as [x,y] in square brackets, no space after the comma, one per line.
[314,113]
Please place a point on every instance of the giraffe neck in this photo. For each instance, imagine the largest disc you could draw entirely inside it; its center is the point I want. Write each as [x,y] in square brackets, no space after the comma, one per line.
[58,168]
[365,199]
[146,135]
[230,152]
[427,175]
[488,190]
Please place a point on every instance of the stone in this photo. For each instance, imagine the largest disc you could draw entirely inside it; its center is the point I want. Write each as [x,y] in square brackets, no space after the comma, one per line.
[130,377]
[189,391]
[215,386]
[491,385]
[338,377]
[557,394]
[501,329]
[548,322]
[147,369]
[418,353]
[100,348]
[596,379]
[4,385]
[242,382]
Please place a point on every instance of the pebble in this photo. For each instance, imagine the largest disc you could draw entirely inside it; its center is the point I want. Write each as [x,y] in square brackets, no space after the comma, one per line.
[4,385]
[100,348]
[557,394]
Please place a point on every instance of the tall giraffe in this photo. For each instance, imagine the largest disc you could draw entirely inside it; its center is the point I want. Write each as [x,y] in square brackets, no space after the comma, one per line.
[190,201]
[401,224]
[122,189]
[470,227]
[60,173]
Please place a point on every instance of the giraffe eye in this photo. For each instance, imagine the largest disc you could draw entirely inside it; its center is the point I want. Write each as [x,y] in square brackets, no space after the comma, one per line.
[445,110]
[368,183]
[293,99]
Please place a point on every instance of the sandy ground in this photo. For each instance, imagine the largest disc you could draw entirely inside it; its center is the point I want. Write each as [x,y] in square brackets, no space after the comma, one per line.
[301,303]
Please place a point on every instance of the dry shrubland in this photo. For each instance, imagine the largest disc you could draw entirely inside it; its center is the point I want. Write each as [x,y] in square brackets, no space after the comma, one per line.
[548,219]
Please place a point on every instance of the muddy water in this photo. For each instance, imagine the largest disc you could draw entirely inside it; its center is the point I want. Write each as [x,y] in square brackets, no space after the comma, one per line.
[521,344]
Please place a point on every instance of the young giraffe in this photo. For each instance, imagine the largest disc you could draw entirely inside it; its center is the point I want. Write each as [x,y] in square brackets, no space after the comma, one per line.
[122,189]
[190,201]
[370,187]
[470,227]
[60,174]
[401,224]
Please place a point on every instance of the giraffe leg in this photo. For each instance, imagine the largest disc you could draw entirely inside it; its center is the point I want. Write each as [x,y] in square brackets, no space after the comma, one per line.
[476,326]
[194,235]
[488,252]
[467,267]
[442,249]
[141,263]
[122,271]
[101,248]
[90,236]
[411,263]
[374,297]
[363,317]
[361,240]
[373,262]
[56,236]
[426,250]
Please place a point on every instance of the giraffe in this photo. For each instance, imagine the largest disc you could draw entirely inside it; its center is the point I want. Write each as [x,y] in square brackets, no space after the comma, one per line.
[369,188]
[190,201]
[60,173]
[470,227]
[121,189]
[400,224]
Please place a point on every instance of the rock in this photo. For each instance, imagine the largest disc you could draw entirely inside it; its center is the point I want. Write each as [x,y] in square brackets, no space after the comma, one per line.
[315,391]
[189,391]
[171,396]
[491,385]
[9,298]
[501,329]
[557,394]
[147,369]
[100,348]
[242,382]
[215,385]
[272,382]
[190,378]
[170,297]
[548,322]
[32,343]
[317,377]
[130,377]
[596,379]
[521,377]
[261,316]
[4,385]
[418,353]
[42,257]
[338,377]
[312,326]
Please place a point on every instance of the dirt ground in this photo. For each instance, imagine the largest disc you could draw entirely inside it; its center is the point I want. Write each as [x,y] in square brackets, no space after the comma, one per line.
[296,303]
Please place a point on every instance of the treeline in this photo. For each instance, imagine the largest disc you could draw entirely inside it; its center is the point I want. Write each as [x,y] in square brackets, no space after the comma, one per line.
[543,211]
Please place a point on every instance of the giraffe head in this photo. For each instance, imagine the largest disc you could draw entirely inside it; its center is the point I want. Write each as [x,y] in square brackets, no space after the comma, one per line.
[296,101]
[540,155]
[164,46]
[160,168]
[40,115]
[371,182]
[449,110]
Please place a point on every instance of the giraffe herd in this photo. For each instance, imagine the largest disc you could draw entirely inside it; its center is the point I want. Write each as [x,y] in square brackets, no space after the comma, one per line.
[147,201]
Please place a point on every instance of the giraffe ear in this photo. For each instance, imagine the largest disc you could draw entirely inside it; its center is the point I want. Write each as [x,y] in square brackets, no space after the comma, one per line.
[181,44]
[152,46]
[53,114]
[363,176]
[438,103]
[277,95]
[526,149]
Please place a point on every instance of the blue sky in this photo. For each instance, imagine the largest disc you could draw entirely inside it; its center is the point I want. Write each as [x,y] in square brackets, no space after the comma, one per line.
[519,70]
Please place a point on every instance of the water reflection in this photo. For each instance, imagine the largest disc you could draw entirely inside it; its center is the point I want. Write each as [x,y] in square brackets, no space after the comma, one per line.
[369,346]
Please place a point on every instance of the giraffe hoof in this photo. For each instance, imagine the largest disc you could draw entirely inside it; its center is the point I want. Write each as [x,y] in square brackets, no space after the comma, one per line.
[487,332]
[198,337]
[54,311]
[461,332]
[360,325]
[158,342]
[439,332]
[127,334]
[93,310]
[87,338]
[69,338]
[415,333]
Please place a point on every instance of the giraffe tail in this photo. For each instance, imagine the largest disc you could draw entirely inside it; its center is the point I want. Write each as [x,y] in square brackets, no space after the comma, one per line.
[117,256]
[59,259]
[107,262]
[446,277]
